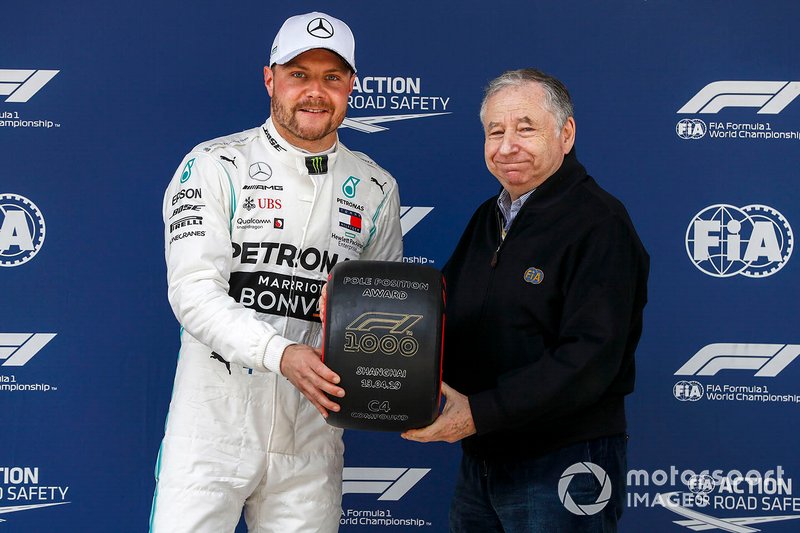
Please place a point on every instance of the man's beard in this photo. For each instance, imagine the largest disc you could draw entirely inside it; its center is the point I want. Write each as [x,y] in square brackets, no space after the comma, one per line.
[288,120]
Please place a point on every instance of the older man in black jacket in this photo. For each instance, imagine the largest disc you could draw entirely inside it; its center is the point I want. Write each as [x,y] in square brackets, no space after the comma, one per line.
[545,296]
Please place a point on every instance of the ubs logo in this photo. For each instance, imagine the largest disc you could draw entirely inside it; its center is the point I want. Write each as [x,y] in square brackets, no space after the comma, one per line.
[397,336]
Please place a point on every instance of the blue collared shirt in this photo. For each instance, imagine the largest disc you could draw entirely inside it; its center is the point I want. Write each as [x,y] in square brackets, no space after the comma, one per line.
[510,209]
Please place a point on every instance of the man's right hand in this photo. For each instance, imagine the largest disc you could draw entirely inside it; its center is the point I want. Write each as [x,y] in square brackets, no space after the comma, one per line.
[303,367]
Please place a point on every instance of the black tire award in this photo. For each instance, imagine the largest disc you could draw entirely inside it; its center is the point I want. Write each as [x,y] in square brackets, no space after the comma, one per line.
[383,336]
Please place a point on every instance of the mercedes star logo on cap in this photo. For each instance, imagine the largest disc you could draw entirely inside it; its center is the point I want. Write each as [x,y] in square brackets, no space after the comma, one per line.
[320,27]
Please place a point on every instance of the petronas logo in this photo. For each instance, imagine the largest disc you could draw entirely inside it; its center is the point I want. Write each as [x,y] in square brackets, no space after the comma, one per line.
[187,171]
[349,186]
[317,164]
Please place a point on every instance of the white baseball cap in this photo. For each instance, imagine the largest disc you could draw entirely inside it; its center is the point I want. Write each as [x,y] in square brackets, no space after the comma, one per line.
[313,30]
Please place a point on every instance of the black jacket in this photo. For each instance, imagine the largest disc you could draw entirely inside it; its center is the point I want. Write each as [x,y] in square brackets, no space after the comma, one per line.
[542,327]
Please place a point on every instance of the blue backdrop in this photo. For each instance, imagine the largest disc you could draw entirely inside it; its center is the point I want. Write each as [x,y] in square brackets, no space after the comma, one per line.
[685,110]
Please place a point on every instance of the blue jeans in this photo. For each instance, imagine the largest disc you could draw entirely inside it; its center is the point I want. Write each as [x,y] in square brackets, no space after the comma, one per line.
[563,491]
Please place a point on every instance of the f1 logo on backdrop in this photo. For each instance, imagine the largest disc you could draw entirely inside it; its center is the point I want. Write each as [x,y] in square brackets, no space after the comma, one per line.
[16,349]
[770,97]
[22,230]
[754,241]
[411,216]
[21,85]
[768,360]
[391,483]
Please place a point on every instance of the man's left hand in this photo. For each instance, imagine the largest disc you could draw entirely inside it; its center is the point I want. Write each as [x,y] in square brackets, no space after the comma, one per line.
[453,424]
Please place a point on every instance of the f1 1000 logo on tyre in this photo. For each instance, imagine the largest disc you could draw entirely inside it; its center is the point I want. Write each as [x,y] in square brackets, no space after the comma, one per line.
[22,230]
[397,336]
[754,241]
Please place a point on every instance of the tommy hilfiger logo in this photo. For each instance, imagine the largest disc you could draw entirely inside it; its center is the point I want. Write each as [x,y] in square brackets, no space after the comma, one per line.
[349,219]
[533,275]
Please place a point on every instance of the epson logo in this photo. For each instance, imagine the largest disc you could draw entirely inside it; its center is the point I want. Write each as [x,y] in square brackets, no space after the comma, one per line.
[21,85]
[770,97]
[16,349]
[768,360]
[189,194]
[390,483]
[754,241]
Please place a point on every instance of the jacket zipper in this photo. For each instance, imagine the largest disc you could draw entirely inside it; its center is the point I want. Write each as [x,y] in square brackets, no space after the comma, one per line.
[496,255]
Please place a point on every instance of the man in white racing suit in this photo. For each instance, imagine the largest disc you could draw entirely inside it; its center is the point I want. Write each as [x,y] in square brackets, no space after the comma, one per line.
[254,222]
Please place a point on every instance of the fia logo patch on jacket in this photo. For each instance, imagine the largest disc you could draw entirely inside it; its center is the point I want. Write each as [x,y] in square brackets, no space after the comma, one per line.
[533,276]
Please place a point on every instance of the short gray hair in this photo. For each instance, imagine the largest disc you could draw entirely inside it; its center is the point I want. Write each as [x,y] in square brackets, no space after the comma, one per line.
[556,96]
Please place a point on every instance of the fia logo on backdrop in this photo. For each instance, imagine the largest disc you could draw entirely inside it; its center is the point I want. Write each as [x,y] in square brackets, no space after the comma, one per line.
[754,241]
[22,230]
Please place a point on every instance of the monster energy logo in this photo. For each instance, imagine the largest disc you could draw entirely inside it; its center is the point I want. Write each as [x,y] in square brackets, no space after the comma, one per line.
[349,186]
[317,164]
[187,171]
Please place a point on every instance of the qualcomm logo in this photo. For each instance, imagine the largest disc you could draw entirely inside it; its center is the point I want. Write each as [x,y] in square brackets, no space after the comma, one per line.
[411,216]
[21,85]
[22,230]
[16,349]
[754,241]
[391,483]
[602,498]
[768,360]
[770,97]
